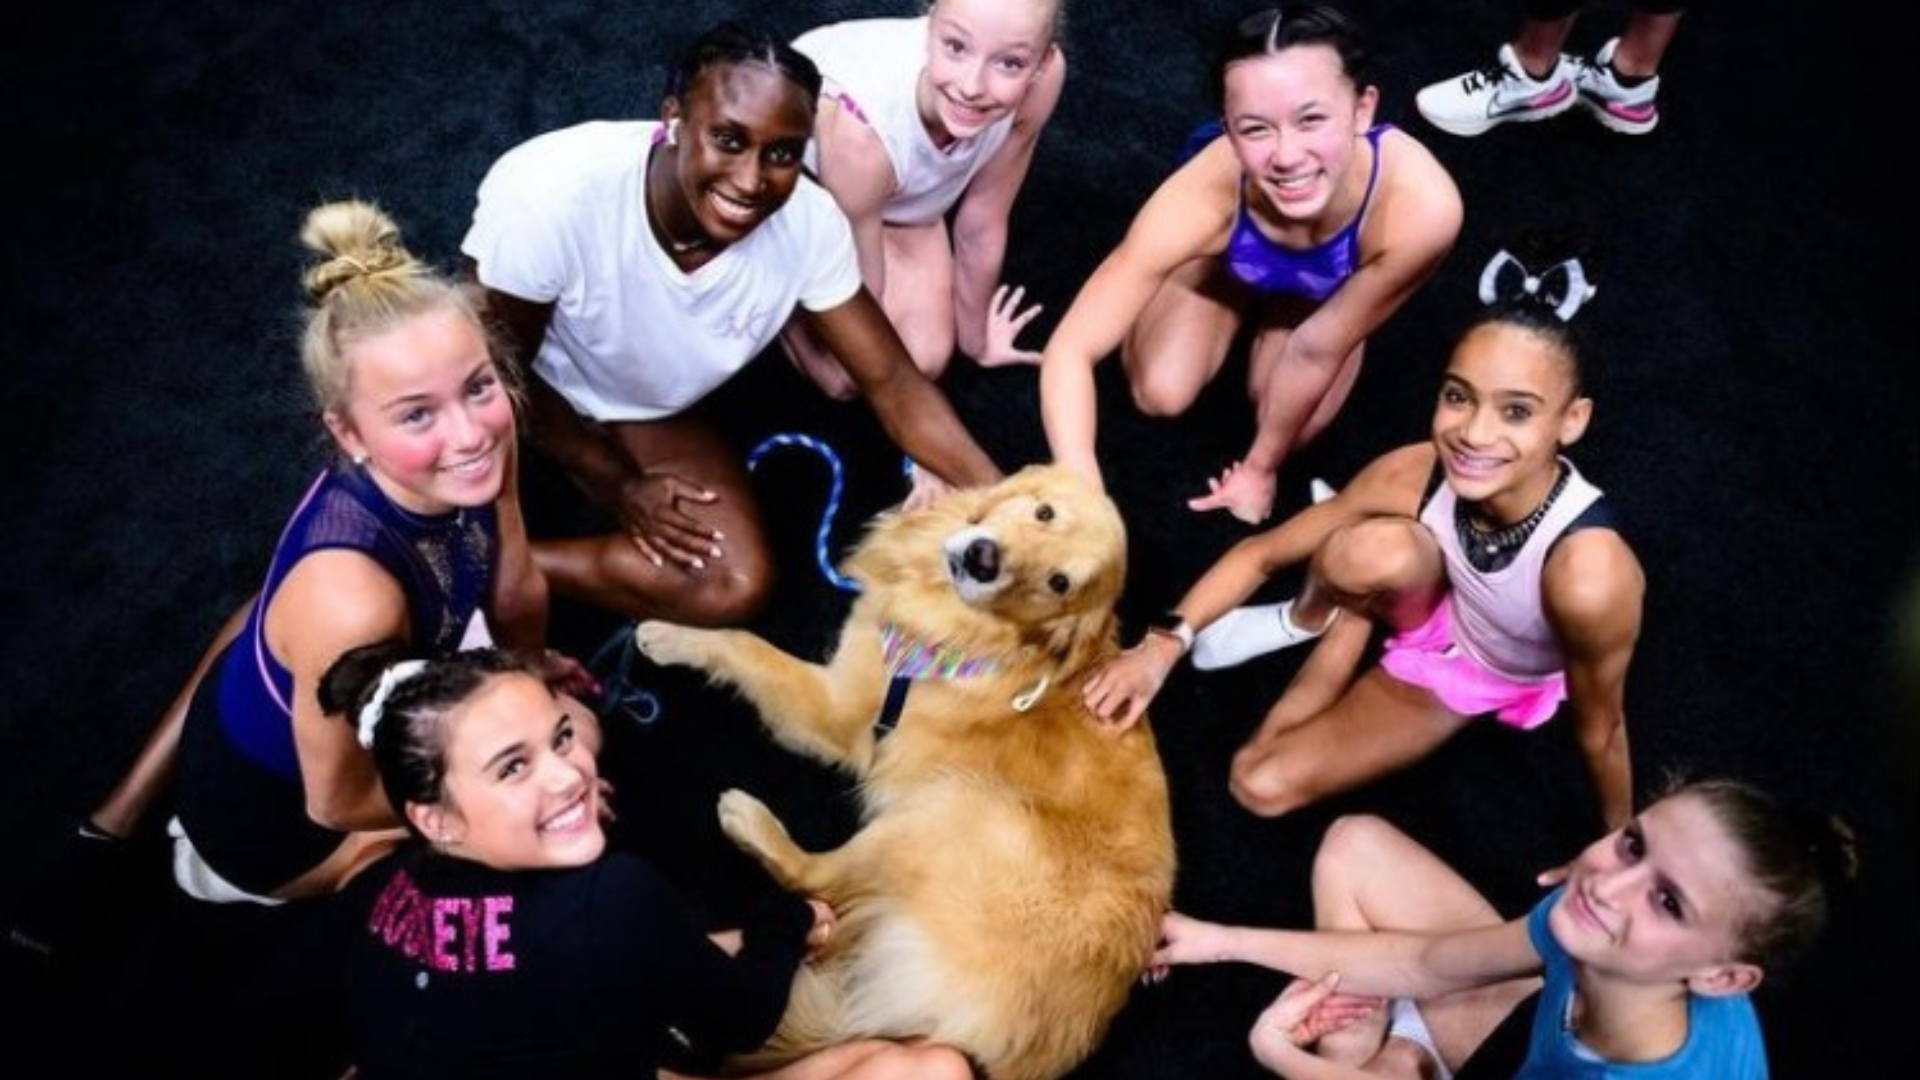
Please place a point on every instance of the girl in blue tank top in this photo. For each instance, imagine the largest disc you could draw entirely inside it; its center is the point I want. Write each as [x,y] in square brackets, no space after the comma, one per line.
[1639,962]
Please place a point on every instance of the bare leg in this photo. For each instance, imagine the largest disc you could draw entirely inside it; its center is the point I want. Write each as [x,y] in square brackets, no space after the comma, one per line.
[1389,568]
[1265,363]
[919,295]
[127,805]
[813,359]
[916,293]
[80,887]
[610,571]
[1369,875]
[1644,43]
[1380,726]
[1329,670]
[1539,42]
[1385,569]
[1180,341]
[519,602]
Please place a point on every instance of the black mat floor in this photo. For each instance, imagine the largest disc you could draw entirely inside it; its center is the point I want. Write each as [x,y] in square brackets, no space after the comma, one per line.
[1754,422]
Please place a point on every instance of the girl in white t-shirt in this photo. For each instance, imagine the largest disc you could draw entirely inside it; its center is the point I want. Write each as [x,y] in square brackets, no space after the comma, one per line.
[633,267]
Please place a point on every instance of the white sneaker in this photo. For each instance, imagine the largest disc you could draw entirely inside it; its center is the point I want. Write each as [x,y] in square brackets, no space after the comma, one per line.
[1247,632]
[1628,109]
[1471,103]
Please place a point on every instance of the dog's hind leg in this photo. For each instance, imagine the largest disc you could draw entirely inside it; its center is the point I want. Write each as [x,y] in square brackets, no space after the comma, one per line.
[752,827]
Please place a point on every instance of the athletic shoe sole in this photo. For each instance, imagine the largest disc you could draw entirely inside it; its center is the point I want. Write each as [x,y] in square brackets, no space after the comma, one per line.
[1627,119]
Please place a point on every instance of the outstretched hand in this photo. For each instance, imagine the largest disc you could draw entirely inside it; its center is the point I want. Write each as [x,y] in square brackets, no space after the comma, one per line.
[1306,1010]
[1184,940]
[654,512]
[1242,490]
[1121,689]
[1005,320]
[924,489]
[567,675]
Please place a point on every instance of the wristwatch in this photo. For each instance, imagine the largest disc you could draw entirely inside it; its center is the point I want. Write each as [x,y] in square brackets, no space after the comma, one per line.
[1172,624]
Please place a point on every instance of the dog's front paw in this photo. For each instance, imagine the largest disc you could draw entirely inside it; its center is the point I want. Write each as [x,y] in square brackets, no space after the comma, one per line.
[750,825]
[668,643]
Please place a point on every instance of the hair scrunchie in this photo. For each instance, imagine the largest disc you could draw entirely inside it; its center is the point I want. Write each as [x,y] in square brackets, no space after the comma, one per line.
[376,706]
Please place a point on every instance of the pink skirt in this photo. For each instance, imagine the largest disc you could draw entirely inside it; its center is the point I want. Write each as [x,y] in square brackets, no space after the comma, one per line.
[1428,657]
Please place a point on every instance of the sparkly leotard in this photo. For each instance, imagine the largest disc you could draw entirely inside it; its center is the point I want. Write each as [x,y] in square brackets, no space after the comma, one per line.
[1315,272]
[241,797]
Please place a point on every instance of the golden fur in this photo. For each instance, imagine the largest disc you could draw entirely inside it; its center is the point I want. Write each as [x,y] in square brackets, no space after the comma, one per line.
[1003,892]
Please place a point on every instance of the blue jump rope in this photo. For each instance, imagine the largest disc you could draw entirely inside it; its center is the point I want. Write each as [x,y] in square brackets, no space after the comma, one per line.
[821,540]
[643,706]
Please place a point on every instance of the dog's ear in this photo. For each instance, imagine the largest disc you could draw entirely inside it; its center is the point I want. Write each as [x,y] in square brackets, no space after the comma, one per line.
[881,542]
[893,548]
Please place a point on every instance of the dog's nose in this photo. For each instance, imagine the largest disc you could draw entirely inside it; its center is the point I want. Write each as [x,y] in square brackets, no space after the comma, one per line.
[981,560]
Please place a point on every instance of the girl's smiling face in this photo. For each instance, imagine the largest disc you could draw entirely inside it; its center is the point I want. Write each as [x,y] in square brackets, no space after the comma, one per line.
[743,129]
[982,58]
[427,410]
[1507,406]
[1661,900]
[522,789]
[1293,118]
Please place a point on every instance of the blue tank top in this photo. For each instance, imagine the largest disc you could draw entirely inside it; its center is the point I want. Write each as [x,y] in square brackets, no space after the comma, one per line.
[444,564]
[1314,273]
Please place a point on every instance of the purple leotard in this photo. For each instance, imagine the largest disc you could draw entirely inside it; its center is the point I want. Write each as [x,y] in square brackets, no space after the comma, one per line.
[1314,273]
[240,793]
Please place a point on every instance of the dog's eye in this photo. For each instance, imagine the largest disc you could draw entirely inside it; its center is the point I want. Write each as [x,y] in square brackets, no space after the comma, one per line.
[1058,582]
[1043,512]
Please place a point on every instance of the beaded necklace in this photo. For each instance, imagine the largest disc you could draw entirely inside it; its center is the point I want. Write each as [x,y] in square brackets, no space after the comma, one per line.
[1492,549]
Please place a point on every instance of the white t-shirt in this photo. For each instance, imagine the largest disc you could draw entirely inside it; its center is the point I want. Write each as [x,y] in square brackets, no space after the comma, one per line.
[562,219]
[872,66]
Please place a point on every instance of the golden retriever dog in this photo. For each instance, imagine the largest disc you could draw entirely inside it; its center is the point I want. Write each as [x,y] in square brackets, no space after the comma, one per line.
[1002,893]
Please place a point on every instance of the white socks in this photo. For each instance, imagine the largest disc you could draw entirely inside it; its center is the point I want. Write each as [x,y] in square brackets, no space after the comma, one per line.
[1405,1022]
[1247,632]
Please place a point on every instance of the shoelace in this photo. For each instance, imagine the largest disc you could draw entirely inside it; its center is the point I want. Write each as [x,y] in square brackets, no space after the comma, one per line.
[1492,75]
[613,666]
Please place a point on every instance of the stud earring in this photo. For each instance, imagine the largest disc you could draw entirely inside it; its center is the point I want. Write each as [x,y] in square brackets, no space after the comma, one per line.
[673,132]
[359,459]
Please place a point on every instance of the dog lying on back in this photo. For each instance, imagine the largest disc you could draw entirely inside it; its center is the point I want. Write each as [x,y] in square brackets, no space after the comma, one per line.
[1003,891]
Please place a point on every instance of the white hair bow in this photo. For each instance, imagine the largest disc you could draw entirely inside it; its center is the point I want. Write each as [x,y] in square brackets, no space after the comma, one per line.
[1563,287]
[376,706]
